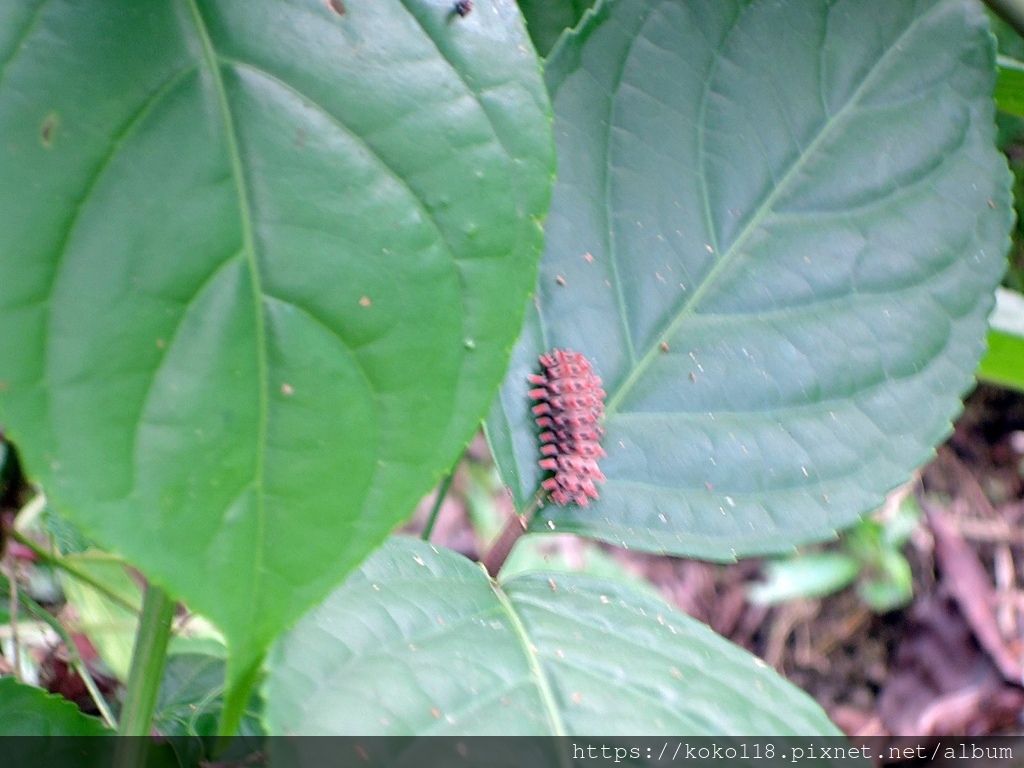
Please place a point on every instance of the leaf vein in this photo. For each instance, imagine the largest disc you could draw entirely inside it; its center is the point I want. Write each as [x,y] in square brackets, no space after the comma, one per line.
[763,209]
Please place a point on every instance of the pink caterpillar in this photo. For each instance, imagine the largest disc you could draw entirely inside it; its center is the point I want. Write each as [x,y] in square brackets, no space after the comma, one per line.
[571,403]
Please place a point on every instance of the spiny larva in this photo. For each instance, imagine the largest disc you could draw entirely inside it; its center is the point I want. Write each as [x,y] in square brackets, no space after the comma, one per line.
[569,410]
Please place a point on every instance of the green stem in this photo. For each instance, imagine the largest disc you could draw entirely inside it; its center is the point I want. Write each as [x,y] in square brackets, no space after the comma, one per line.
[59,562]
[238,688]
[148,659]
[1010,11]
[442,491]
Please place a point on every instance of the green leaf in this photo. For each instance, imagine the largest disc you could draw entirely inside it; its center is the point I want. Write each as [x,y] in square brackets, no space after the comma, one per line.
[780,265]
[891,587]
[811,574]
[262,271]
[901,524]
[539,552]
[190,704]
[1010,86]
[191,697]
[546,20]
[29,711]
[66,537]
[865,541]
[49,719]
[1003,363]
[110,627]
[420,641]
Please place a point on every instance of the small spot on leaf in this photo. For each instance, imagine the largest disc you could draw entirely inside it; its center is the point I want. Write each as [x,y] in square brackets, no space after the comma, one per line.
[337,6]
[365,301]
[287,389]
[48,128]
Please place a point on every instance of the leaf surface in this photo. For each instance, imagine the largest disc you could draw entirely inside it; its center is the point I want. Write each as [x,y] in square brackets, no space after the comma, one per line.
[780,265]
[263,265]
[29,711]
[191,697]
[419,641]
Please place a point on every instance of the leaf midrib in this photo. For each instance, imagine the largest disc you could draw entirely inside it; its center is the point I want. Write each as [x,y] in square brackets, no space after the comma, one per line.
[212,61]
[763,210]
[547,695]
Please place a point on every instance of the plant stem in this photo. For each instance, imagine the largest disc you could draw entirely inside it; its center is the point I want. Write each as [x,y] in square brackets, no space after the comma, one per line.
[442,491]
[238,688]
[148,659]
[1010,11]
[59,562]
[510,534]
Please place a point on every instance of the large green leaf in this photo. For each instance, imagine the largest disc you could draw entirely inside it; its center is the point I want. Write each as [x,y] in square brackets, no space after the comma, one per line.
[420,641]
[29,711]
[263,265]
[52,723]
[776,233]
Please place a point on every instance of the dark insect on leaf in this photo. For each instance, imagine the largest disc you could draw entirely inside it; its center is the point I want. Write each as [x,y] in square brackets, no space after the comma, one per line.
[463,8]
[570,405]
